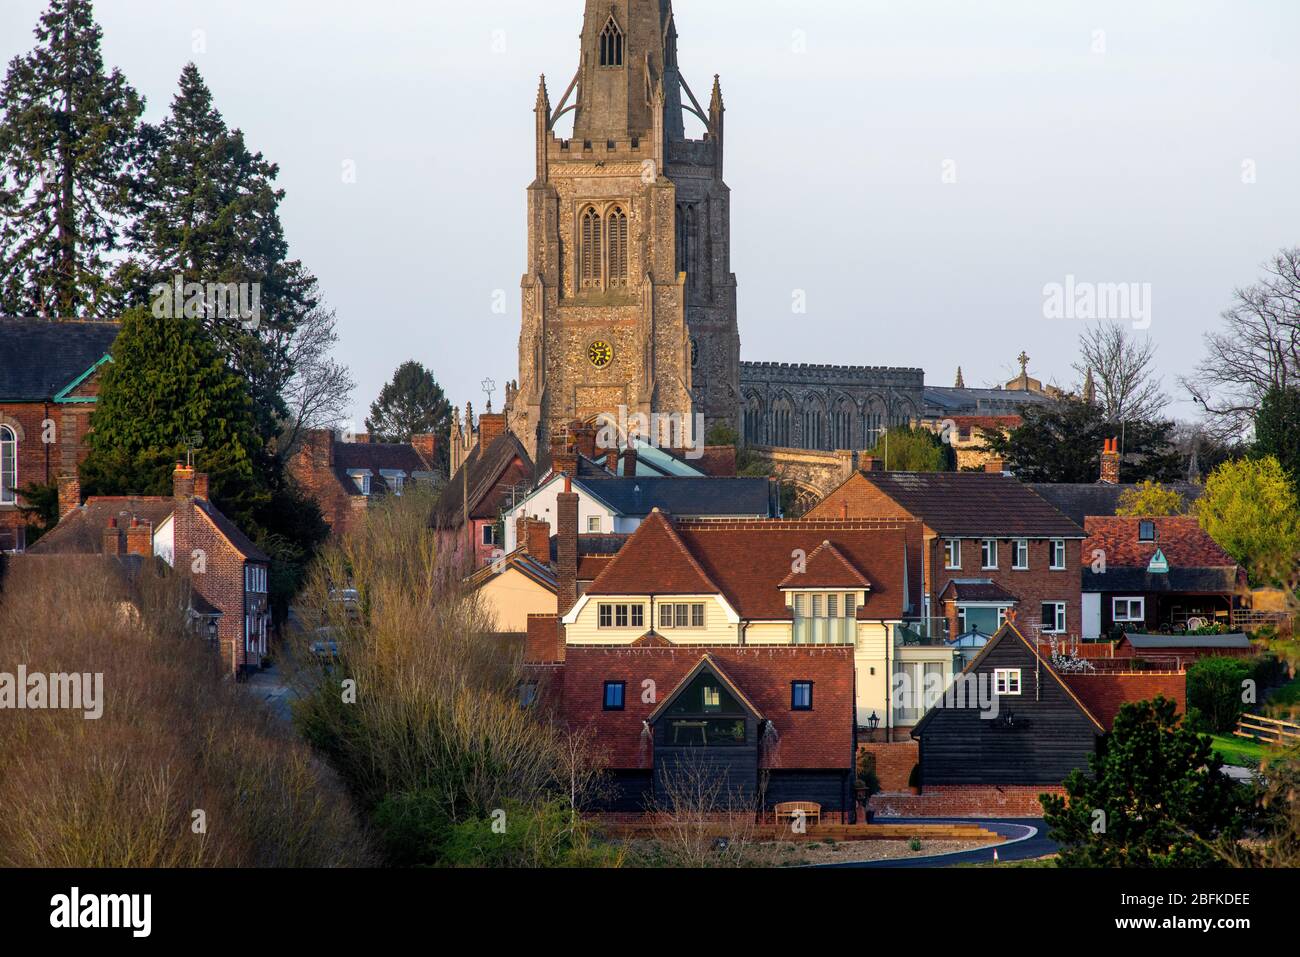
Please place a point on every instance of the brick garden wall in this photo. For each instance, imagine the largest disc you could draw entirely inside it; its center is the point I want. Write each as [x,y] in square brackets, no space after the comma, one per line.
[965,801]
[894,761]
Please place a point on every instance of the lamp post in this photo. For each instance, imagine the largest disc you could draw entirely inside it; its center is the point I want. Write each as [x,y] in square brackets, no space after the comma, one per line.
[873,722]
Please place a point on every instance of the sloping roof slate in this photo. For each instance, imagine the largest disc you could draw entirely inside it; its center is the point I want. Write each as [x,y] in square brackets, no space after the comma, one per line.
[972,504]
[40,358]
[486,493]
[1079,501]
[81,532]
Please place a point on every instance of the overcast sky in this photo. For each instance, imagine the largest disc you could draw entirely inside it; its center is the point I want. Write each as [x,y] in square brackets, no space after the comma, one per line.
[1103,140]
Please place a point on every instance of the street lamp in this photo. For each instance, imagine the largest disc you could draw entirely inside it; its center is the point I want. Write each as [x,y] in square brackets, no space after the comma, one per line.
[873,722]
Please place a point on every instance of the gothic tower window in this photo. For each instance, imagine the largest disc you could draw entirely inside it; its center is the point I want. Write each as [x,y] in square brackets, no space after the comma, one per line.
[617,229]
[754,421]
[685,230]
[611,44]
[842,424]
[591,265]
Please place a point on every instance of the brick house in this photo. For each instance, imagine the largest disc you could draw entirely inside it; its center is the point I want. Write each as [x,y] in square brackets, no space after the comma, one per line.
[990,544]
[347,477]
[469,517]
[49,381]
[228,574]
[1160,573]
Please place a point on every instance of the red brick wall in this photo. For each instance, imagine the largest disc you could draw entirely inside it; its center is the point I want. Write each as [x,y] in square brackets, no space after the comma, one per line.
[964,801]
[1037,584]
[863,499]
[217,574]
[894,761]
[39,461]
[544,643]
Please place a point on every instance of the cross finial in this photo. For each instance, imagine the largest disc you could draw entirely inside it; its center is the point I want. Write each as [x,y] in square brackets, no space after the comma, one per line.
[1024,362]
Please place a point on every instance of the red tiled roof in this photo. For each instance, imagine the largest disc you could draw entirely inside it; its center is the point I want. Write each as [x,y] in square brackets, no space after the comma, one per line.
[821,738]
[970,504]
[1180,537]
[826,567]
[655,553]
[1104,693]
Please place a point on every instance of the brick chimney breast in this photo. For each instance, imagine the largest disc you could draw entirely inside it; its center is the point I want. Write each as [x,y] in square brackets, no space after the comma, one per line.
[183,482]
[139,538]
[538,537]
[426,446]
[566,548]
[1110,463]
[491,426]
[69,495]
[113,542]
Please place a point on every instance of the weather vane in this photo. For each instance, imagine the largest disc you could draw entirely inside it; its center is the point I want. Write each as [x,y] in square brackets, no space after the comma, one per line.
[488,386]
[193,442]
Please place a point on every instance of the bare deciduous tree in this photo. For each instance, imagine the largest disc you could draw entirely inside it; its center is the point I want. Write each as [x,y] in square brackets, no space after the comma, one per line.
[1123,369]
[1258,349]
[319,389]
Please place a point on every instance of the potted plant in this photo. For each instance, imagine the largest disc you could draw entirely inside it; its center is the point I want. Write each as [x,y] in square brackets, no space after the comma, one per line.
[914,779]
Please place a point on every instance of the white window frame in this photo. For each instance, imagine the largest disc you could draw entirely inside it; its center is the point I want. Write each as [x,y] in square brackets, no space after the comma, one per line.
[489,536]
[1006,681]
[1020,546]
[1057,545]
[1059,622]
[8,453]
[596,521]
[670,613]
[952,553]
[1141,602]
[988,547]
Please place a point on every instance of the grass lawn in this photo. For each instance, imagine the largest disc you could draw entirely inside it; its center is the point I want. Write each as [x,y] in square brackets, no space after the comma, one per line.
[1288,694]
[1239,751]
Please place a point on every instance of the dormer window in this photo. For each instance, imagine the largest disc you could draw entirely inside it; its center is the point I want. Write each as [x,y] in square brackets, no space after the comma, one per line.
[1146,531]
[361,479]
[611,45]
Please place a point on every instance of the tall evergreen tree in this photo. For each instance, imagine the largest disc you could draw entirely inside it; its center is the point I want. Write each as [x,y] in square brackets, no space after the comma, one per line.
[67,138]
[412,403]
[207,211]
[1062,441]
[167,390]
[1277,429]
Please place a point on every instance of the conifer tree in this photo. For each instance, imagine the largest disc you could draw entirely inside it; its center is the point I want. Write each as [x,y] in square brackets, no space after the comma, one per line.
[67,138]
[412,403]
[206,211]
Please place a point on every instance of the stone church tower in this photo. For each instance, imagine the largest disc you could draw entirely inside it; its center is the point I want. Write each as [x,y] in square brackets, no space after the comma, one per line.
[629,300]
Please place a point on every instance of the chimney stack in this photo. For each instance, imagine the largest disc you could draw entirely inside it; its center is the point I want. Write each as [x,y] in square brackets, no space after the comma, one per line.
[491,426]
[629,458]
[566,550]
[183,482]
[426,446]
[584,435]
[69,495]
[114,544]
[564,458]
[869,463]
[995,465]
[538,539]
[139,538]
[611,460]
[201,486]
[1110,463]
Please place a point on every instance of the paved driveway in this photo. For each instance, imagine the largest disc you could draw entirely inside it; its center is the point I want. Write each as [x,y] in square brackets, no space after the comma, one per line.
[1023,838]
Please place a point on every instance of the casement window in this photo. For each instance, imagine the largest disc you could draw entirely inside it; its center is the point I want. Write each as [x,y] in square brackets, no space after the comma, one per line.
[611,44]
[255,579]
[1058,554]
[681,615]
[952,553]
[989,553]
[825,619]
[1020,554]
[1006,681]
[8,466]
[801,696]
[1129,609]
[1053,617]
[614,691]
[1146,531]
[620,616]
[489,534]
[593,524]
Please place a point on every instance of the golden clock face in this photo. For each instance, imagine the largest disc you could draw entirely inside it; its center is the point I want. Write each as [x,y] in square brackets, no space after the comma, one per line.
[600,353]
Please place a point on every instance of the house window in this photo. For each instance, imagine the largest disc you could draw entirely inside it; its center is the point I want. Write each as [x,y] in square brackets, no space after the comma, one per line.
[489,534]
[1053,617]
[706,714]
[397,482]
[1020,554]
[1058,554]
[593,523]
[989,553]
[832,621]
[527,694]
[614,695]
[1146,531]
[801,695]
[611,45]
[952,553]
[361,480]
[1129,609]
[255,579]
[681,615]
[1007,680]
[621,616]
[8,466]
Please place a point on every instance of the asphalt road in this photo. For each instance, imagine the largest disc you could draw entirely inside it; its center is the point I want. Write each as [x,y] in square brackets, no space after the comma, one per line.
[1024,838]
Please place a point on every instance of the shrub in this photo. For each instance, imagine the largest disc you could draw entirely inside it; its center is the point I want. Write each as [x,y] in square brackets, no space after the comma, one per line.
[1214,690]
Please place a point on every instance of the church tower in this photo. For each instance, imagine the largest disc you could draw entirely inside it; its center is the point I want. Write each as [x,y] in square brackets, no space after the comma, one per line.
[629,302]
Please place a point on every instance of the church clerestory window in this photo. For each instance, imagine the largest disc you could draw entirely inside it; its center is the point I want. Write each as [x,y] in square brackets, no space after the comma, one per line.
[611,45]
